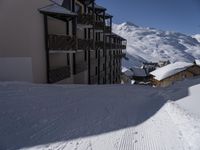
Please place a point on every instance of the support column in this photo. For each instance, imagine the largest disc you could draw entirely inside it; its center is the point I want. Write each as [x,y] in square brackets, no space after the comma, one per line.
[47,47]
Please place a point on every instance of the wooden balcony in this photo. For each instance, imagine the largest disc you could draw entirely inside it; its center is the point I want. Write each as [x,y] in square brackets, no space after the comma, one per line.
[115,46]
[99,25]
[99,44]
[59,74]
[80,67]
[108,29]
[85,19]
[85,44]
[61,43]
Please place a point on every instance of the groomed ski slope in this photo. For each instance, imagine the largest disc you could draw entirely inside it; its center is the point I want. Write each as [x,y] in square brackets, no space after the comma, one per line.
[111,117]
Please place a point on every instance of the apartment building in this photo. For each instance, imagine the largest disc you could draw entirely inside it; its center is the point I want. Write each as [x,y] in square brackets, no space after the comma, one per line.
[59,41]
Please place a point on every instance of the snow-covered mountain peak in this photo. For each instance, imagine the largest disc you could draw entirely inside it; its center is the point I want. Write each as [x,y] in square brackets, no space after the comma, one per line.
[153,45]
[130,24]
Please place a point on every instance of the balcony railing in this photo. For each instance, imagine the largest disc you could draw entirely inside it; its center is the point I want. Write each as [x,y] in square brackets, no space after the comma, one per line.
[61,42]
[99,25]
[85,19]
[99,45]
[108,29]
[85,44]
[59,74]
[80,67]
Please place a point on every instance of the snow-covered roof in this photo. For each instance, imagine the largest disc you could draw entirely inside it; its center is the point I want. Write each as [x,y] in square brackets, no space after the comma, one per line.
[169,70]
[54,8]
[96,6]
[59,2]
[138,72]
[197,62]
[127,72]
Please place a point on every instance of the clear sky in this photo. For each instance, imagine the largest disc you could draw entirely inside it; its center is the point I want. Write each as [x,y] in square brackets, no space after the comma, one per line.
[174,15]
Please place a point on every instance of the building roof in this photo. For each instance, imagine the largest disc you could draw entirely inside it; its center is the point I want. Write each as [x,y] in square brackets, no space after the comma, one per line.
[170,70]
[97,7]
[107,15]
[59,2]
[127,72]
[138,72]
[57,9]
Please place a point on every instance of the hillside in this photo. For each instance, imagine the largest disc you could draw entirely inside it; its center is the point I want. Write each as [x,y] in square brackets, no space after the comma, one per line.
[149,44]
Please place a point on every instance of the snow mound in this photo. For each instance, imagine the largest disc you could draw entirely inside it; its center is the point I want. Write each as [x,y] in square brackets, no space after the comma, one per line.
[152,45]
[171,69]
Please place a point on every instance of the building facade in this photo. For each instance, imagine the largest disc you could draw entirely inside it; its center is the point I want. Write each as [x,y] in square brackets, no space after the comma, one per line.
[59,41]
[188,72]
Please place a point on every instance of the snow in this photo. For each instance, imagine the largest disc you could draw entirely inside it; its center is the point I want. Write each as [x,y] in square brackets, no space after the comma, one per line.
[113,117]
[54,8]
[197,37]
[169,70]
[197,62]
[146,44]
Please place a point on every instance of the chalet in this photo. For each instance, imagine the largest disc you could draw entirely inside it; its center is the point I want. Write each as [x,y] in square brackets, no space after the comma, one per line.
[167,75]
[139,74]
[127,76]
[59,41]
[149,66]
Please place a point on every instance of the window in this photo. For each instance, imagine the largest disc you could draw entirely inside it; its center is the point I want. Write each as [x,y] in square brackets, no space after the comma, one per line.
[68,59]
[85,55]
[96,53]
[96,70]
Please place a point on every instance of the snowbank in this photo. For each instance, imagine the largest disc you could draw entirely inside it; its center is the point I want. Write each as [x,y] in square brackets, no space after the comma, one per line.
[113,117]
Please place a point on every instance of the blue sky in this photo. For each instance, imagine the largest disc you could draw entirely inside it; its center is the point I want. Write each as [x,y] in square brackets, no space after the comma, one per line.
[174,15]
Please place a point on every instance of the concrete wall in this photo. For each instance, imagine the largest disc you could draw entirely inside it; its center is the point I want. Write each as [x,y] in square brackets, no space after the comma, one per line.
[22,40]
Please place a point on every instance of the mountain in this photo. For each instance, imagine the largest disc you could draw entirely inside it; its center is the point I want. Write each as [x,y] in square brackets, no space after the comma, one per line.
[153,45]
[197,37]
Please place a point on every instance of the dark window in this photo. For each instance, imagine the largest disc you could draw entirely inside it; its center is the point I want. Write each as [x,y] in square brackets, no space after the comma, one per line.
[96,70]
[96,53]
[85,55]
[68,59]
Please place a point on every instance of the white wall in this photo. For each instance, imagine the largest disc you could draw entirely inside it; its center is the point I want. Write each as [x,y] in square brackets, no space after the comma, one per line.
[22,35]
[16,69]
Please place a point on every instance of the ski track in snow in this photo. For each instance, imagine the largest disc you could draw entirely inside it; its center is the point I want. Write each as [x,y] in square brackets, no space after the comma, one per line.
[127,129]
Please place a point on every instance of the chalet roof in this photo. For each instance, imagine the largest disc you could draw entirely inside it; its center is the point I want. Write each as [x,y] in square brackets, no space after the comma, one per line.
[170,70]
[127,72]
[57,9]
[138,72]
[97,7]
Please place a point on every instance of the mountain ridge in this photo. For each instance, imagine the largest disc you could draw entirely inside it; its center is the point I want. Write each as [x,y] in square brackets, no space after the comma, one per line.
[145,44]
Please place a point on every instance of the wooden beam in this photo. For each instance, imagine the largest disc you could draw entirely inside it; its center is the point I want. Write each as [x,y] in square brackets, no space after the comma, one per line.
[46,47]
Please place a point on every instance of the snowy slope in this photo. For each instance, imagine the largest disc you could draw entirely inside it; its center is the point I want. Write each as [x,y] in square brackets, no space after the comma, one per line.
[112,117]
[197,37]
[148,44]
